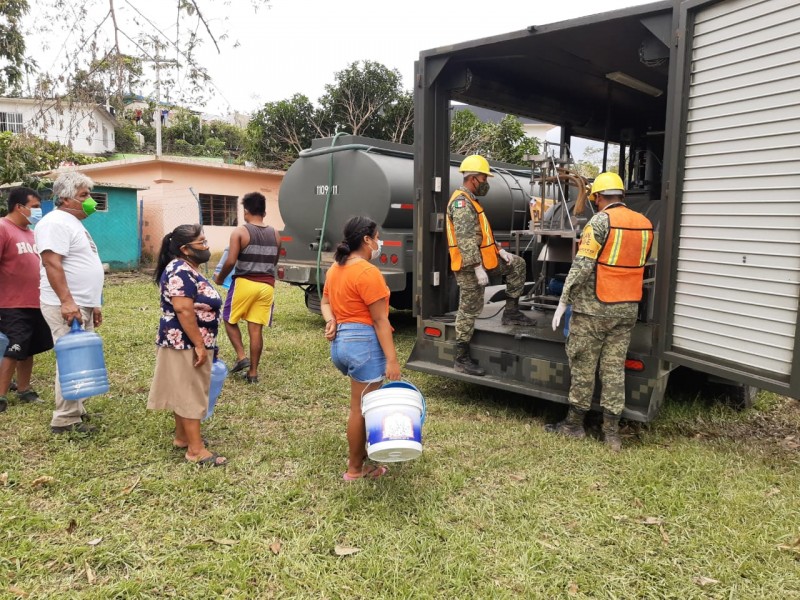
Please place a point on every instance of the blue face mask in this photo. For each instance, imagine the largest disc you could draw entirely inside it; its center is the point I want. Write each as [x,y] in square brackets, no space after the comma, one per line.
[35,216]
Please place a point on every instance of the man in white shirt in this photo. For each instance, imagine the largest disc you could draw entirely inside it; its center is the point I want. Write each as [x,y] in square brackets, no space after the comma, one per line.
[71,283]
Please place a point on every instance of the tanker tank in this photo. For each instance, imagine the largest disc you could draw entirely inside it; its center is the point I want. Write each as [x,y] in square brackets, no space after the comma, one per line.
[328,184]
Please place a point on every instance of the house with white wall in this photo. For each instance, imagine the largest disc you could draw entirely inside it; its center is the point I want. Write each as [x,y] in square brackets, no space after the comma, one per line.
[86,128]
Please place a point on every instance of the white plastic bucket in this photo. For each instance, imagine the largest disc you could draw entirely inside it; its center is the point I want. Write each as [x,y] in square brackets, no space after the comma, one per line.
[394,415]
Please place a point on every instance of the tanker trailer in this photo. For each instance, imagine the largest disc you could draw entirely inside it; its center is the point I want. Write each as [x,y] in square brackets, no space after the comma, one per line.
[341,177]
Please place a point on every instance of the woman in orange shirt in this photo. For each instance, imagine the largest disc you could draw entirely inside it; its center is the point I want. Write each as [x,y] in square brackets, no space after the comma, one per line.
[355,305]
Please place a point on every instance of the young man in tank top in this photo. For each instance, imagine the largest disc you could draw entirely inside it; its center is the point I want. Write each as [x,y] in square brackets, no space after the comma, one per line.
[253,249]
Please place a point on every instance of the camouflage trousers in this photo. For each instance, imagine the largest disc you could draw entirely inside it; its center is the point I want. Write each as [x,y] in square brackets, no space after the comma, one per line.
[594,340]
[470,300]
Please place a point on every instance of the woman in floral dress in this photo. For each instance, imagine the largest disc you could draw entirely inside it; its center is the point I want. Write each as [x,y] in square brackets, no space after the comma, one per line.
[187,339]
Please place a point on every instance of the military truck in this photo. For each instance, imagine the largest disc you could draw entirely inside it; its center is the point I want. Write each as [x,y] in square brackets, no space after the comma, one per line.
[701,98]
[350,175]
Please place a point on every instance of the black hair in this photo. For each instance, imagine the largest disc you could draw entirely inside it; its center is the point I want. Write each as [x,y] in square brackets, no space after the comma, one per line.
[20,195]
[255,203]
[171,244]
[354,231]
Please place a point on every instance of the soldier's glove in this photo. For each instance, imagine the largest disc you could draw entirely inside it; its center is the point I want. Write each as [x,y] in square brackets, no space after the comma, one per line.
[562,308]
[483,278]
[506,256]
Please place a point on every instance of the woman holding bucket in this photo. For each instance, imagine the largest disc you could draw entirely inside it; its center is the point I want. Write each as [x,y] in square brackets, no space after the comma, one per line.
[187,339]
[355,305]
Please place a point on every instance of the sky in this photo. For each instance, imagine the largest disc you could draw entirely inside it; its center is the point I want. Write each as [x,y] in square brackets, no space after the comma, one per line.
[296,46]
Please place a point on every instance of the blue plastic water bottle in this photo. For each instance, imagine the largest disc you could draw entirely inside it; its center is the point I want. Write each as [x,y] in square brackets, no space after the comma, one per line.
[227,283]
[219,371]
[81,366]
[567,315]
[3,344]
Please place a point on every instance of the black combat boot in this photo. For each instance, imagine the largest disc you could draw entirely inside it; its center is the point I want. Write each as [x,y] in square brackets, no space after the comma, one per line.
[464,362]
[571,426]
[611,432]
[512,315]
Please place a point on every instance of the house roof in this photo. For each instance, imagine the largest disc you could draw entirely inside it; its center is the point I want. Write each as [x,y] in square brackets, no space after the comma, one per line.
[65,102]
[177,160]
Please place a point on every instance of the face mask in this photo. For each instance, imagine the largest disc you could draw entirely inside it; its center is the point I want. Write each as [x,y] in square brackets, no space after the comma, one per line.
[201,256]
[377,252]
[35,216]
[483,188]
[89,206]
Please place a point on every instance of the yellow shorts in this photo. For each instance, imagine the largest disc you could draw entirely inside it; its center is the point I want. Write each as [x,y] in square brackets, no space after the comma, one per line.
[251,301]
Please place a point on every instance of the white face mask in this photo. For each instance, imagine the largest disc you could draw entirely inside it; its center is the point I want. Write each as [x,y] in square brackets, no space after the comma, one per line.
[377,252]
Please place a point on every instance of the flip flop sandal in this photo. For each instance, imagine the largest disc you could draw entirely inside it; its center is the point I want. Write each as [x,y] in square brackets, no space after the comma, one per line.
[209,461]
[373,473]
[240,365]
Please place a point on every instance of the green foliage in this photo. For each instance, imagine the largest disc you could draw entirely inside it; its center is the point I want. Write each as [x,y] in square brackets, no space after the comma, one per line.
[12,46]
[586,169]
[279,131]
[366,99]
[21,155]
[124,137]
[504,141]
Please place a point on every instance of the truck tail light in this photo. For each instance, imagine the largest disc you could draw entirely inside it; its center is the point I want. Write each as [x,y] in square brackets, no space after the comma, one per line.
[384,259]
[394,259]
[283,251]
[634,365]
[433,332]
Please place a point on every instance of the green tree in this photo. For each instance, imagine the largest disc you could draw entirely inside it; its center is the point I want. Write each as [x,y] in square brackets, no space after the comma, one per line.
[21,155]
[279,131]
[504,141]
[356,102]
[397,120]
[12,46]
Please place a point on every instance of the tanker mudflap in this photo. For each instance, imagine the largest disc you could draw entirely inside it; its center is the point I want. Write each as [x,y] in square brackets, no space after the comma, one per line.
[295,274]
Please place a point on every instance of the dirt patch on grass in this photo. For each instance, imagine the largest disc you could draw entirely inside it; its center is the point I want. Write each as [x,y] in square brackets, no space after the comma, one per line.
[123,277]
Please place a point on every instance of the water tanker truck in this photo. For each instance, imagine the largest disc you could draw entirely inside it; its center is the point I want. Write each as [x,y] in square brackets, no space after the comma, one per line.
[700,98]
[338,178]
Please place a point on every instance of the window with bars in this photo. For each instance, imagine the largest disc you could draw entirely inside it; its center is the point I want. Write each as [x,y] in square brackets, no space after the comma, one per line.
[218,210]
[102,201]
[11,122]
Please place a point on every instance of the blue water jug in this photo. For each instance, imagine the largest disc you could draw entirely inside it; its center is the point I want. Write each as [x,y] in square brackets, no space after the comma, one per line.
[567,315]
[81,366]
[227,283]
[3,344]
[219,371]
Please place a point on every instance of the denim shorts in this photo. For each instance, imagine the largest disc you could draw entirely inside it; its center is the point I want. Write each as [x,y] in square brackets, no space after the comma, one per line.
[357,353]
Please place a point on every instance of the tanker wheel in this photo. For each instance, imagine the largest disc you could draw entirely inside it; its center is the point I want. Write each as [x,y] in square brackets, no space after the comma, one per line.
[312,299]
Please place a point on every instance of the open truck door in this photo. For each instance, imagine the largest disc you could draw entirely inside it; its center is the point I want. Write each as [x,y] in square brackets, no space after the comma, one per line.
[729,298]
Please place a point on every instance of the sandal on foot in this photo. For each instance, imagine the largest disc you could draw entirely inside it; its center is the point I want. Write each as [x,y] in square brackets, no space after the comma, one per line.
[250,378]
[210,461]
[29,396]
[240,365]
[373,473]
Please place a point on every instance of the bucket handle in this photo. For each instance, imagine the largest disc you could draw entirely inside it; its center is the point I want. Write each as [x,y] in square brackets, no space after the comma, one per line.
[424,404]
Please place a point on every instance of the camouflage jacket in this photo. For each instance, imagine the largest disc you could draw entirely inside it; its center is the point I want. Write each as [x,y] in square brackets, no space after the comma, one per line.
[579,288]
[468,230]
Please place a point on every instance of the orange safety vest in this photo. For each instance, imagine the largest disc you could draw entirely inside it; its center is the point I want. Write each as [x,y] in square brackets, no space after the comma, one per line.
[488,247]
[620,266]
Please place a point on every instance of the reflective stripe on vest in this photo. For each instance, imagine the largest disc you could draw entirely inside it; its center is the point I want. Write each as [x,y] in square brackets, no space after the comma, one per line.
[620,266]
[488,247]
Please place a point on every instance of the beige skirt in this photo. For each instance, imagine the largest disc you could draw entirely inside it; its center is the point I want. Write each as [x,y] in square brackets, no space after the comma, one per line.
[178,385]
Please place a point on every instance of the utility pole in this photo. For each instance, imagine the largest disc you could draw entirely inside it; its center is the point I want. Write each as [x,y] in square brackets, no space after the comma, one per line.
[157,61]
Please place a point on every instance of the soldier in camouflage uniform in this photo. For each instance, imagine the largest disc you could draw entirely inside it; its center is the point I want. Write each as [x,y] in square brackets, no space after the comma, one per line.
[473,256]
[604,286]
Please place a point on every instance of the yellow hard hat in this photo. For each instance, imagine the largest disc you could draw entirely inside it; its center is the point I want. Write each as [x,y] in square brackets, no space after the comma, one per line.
[475,164]
[608,184]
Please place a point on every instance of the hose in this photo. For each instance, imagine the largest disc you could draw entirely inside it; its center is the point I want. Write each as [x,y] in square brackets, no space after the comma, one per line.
[327,201]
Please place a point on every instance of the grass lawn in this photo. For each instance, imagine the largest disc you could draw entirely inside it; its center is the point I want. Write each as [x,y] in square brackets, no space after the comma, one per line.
[703,503]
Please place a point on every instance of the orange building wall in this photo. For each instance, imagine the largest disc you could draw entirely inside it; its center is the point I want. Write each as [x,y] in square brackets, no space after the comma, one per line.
[169,201]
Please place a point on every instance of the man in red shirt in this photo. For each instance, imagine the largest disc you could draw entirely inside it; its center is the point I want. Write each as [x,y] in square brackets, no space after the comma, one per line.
[21,320]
